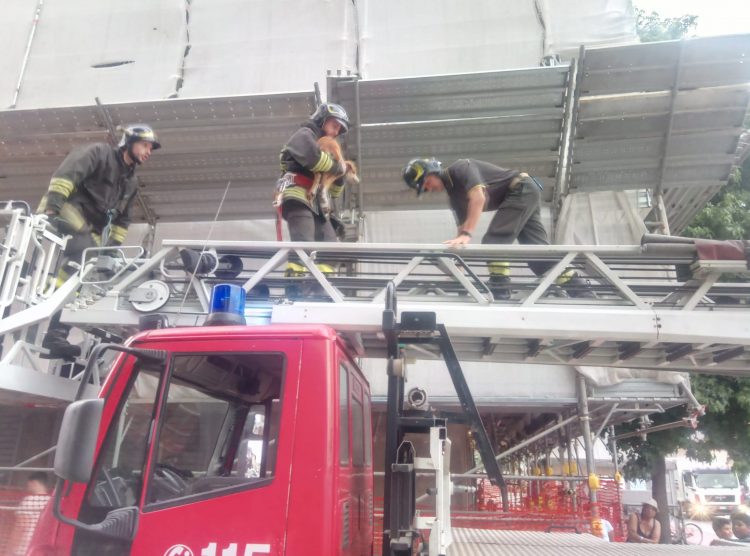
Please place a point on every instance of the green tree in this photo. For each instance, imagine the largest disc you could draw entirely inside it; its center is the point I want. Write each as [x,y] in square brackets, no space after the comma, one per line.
[725,425]
[651,27]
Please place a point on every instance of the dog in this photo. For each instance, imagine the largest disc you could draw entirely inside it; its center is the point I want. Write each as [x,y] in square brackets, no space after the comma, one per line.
[326,179]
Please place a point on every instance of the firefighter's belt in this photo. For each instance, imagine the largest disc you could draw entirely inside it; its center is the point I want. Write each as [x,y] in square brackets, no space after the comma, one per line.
[301,180]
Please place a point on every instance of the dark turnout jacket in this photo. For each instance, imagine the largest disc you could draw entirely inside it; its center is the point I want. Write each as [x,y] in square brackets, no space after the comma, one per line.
[93,187]
[301,155]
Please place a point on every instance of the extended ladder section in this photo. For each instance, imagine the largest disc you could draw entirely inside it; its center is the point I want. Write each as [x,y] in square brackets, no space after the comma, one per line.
[660,305]
[655,306]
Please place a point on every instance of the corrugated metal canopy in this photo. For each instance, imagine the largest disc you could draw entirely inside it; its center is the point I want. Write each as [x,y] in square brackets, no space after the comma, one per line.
[511,118]
[661,116]
[207,143]
[626,117]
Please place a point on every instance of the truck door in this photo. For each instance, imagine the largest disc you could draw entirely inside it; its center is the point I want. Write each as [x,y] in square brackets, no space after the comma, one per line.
[216,481]
[355,481]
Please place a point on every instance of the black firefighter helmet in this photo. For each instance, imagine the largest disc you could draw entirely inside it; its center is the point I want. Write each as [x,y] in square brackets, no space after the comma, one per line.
[417,170]
[331,110]
[133,133]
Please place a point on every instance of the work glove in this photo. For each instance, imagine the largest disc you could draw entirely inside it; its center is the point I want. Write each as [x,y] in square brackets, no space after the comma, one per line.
[61,227]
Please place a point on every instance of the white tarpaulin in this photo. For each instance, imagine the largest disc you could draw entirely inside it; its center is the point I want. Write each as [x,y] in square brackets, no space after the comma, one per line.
[592,22]
[429,37]
[604,218]
[117,51]
[144,50]
[253,46]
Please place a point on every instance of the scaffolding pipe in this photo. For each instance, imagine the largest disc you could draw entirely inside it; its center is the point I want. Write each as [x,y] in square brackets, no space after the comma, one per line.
[585,418]
[526,442]
[613,448]
[27,53]
[656,428]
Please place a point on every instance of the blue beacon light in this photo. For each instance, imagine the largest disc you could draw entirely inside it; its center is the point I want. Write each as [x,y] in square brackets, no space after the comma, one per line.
[227,306]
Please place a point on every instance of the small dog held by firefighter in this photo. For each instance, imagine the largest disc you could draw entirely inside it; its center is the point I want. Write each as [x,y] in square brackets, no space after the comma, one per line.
[326,179]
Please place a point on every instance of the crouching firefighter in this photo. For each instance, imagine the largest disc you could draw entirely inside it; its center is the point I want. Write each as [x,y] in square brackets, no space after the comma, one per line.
[89,198]
[307,210]
[474,186]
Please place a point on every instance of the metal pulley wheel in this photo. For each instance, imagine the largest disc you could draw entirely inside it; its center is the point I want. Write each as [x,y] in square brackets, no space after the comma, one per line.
[149,296]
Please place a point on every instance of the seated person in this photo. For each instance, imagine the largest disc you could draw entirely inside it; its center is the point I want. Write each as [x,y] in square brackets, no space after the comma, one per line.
[643,526]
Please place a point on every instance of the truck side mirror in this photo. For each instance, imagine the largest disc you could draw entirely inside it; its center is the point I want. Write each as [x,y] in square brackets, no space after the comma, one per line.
[74,462]
[74,457]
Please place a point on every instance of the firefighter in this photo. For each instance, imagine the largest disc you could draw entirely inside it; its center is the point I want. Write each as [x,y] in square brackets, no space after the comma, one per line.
[308,213]
[474,186]
[89,198]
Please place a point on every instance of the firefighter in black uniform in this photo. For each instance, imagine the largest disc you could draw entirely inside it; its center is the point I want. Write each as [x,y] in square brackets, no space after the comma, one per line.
[308,213]
[89,198]
[474,186]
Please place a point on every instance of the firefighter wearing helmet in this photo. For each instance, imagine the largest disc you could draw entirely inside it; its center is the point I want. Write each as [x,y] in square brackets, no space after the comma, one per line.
[474,186]
[307,212]
[89,198]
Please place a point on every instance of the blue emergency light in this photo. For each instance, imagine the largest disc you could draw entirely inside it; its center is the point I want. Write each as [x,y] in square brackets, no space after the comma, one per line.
[227,305]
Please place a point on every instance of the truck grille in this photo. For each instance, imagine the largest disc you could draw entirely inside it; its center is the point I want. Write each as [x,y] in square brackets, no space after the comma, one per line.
[720,498]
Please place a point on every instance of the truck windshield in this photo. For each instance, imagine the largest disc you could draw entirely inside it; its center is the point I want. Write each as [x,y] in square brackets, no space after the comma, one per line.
[218,429]
[716,480]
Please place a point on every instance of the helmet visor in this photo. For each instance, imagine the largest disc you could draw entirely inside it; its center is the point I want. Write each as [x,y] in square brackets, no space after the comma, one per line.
[344,124]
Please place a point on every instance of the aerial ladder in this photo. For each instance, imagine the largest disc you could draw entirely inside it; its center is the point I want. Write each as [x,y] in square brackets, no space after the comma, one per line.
[658,305]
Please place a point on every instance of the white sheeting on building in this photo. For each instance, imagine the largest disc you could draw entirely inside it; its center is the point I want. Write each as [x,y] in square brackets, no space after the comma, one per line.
[592,22]
[145,39]
[610,376]
[253,46]
[604,218]
[429,37]
[156,50]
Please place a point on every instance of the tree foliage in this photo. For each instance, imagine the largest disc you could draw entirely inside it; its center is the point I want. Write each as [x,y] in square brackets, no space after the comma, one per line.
[723,427]
[727,215]
[651,27]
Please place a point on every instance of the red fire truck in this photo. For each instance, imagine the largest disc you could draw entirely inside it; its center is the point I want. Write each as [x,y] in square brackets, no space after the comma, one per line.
[235,441]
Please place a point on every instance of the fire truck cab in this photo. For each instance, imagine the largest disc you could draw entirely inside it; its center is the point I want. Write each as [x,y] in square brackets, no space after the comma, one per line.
[219,441]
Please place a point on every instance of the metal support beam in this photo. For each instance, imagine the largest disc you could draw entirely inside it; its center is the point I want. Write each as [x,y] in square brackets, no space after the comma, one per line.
[565,158]
[470,409]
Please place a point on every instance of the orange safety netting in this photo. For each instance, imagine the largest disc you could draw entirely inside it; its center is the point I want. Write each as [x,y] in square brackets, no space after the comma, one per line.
[534,505]
[19,513]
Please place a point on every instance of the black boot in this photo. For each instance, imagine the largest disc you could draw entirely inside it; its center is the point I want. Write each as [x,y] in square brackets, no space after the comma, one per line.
[579,288]
[56,341]
[500,286]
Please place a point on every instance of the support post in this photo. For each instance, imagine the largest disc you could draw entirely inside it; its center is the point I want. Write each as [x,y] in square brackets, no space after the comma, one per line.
[585,418]
[395,399]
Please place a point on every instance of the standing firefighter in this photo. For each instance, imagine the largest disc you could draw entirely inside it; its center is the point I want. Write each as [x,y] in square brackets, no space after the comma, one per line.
[89,198]
[307,211]
[474,186]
